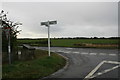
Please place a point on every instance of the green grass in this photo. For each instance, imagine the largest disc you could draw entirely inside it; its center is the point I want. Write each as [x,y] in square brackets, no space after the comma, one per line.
[71,42]
[40,67]
[28,41]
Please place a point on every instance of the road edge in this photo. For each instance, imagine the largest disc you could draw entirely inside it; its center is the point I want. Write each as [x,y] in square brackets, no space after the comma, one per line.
[60,70]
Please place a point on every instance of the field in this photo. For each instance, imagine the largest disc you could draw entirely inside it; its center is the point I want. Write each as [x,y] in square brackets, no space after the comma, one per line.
[70,42]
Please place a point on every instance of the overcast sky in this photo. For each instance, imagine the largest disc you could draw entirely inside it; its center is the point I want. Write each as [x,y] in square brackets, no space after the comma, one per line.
[75,19]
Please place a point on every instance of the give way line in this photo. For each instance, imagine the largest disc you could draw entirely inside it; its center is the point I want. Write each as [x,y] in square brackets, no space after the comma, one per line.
[92,75]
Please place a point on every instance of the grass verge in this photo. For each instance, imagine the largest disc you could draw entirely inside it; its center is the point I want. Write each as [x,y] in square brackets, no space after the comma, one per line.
[41,66]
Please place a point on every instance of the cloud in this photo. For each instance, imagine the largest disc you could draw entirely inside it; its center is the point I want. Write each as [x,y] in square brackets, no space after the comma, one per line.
[74,19]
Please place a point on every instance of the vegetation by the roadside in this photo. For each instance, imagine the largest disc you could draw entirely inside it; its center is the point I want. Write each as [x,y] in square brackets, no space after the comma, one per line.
[72,42]
[33,42]
[41,66]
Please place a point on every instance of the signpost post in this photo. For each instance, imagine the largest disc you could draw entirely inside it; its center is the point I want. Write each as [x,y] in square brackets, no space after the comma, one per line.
[47,24]
[7,31]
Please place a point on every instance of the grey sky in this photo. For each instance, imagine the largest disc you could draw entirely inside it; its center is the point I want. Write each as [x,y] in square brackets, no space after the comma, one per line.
[75,19]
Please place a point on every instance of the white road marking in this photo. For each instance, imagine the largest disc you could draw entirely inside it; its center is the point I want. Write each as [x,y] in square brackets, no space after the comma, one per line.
[112,54]
[93,53]
[53,51]
[112,62]
[105,71]
[75,52]
[116,67]
[99,73]
[90,75]
[83,53]
[94,70]
[67,51]
[102,53]
[59,51]
[69,48]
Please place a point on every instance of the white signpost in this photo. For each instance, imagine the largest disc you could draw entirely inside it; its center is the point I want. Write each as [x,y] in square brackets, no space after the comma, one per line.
[7,31]
[47,24]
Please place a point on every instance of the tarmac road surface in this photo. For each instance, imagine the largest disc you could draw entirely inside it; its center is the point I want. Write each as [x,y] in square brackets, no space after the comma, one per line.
[88,62]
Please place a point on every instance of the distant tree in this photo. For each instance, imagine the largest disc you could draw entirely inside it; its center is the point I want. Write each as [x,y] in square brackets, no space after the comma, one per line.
[69,38]
[114,37]
[102,37]
[95,37]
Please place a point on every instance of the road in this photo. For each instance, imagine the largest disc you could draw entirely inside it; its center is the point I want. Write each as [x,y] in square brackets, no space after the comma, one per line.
[88,62]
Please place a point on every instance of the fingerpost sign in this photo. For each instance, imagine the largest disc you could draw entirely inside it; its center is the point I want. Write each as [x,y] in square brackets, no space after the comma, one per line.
[47,24]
